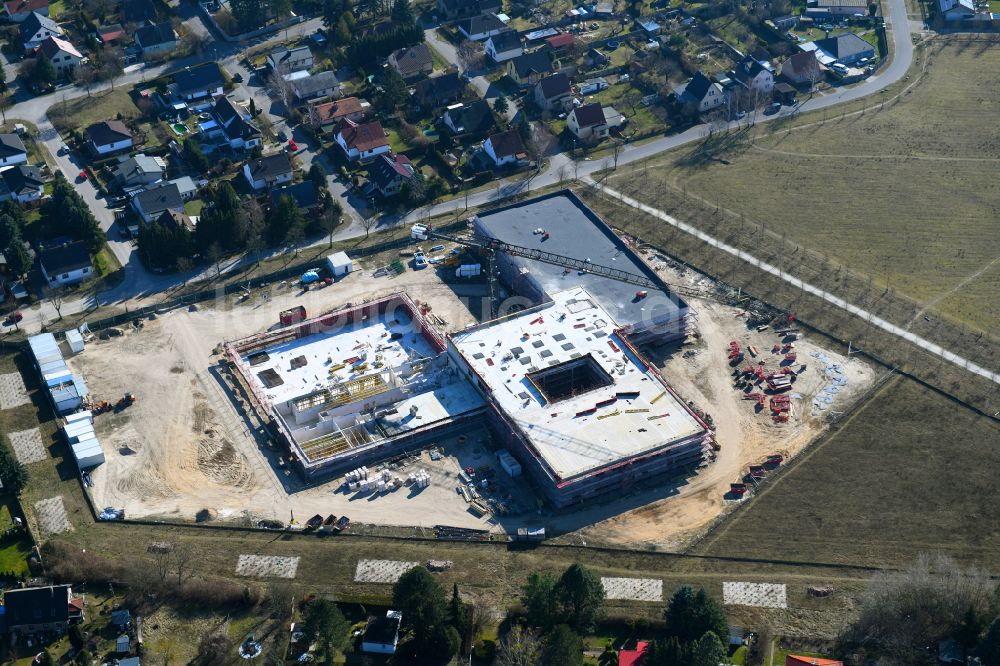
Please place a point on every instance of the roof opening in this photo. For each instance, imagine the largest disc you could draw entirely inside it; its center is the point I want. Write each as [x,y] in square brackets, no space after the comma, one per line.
[570,379]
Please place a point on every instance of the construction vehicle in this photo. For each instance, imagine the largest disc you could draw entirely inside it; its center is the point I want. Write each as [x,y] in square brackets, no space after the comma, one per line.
[125,401]
[292,316]
[491,246]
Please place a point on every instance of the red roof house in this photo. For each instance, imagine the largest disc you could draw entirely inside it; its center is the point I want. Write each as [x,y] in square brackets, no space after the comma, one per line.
[796,660]
[636,657]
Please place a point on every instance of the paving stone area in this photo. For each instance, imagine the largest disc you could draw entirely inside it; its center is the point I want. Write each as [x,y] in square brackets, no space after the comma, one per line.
[52,516]
[759,595]
[635,589]
[12,391]
[267,566]
[381,571]
[28,446]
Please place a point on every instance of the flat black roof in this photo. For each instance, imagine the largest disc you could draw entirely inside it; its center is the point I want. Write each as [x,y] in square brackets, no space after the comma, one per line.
[578,232]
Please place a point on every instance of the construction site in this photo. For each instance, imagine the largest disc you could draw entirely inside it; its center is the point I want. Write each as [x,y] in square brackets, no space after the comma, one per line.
[597,401]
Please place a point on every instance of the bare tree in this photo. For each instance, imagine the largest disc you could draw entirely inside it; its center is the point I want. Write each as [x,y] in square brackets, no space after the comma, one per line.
[5,103]
[330,216]
[253,227]
[281,89]
[561,173]
[161,561]
[183,557]
[470,55]
[519,648]
[281,596]
[368,223]
[55,298]
[616,151]
[215,256]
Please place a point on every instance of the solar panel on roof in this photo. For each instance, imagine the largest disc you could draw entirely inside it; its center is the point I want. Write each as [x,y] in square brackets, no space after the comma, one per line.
[546,353]
[559,337]
[537,343]
[568,346]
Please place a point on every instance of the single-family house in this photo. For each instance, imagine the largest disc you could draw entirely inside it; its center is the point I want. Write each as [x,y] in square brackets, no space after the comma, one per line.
[36,28]
[362,142]
[22,183]
[138,11]
[12,150]
[478,28]
[388,173]
[121,618]
[752,76]
[193,83]
[451,10]
[185,186]
[63,55]
[505,148]
[587,122]
[634,657]
[847,49]
[109,34]
[173,219]
[140,169]
[801,69]
[66,263]
[412,62]
[151,203]
[504,46]
[315,86]
[700,93]
[786,22]
[469,119]
[596,58]
[554,93]
[157,39]
[439,90]
[649,26]
[108,137]
[17,11]
[957,10]
[36,609]
[327,116]
[130,661]
[304,194]
[123,644]
[560,42]
[285,60]
[267,172]
[382,633]
[528,68]
[232,123]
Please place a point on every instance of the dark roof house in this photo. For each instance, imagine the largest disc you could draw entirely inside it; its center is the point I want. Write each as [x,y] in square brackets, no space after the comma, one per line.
[38,27]
[439,90]
[107,133]
[305,194]
[474,118]
[157,35]
[269,168]
[10,146]
[154,201]
[529,65]
[846,48]
[481,27]
[22,180]
[388,172]
[412,61]
[199,80]
[507,145]
[50,605]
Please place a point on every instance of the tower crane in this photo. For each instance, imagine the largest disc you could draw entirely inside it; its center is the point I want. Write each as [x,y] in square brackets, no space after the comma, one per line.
[491,246]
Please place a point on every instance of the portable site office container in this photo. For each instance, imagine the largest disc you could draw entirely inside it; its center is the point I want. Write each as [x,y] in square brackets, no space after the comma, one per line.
[66,398]
[75,340]
[44,348]
[78,429]
[55,373]
[80,416]
[89,454]
[339,264]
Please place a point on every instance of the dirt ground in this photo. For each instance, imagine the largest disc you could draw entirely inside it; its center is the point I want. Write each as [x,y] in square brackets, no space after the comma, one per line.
[183,448]
[701,373]
[183,451]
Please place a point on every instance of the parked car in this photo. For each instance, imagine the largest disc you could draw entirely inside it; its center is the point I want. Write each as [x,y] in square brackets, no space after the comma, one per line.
[774,108]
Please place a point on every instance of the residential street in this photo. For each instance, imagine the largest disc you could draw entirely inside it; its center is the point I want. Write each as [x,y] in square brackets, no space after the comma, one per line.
[140,283]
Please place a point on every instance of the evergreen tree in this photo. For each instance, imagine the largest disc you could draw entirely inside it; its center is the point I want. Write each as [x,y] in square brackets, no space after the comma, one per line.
[284,217]
[10,230]
[342,35]
[456,611]
[18,260]
[13,474]
[500,105]
[332,11]
[317,174]
[327,624]
[44,72]
[563,647]
[989,647]
[581,596]
[421,600]
[194,155]
[394,92]
[539,599]
[402,13]
[690,614]
[707,651]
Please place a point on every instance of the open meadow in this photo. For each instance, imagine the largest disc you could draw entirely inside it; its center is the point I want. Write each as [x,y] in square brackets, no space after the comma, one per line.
[908,472]
[901,196]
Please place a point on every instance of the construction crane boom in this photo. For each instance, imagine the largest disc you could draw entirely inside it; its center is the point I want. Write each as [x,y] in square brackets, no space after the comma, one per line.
[493,245]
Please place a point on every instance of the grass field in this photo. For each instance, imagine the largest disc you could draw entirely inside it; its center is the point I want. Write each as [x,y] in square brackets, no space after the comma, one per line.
[905,195]
[909,472]
[84,111]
